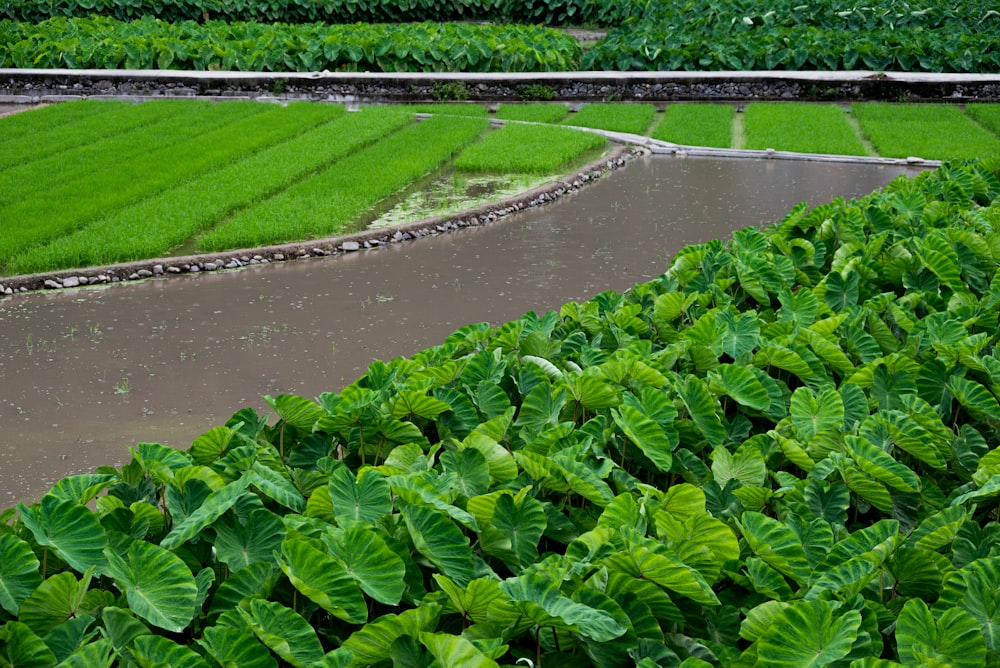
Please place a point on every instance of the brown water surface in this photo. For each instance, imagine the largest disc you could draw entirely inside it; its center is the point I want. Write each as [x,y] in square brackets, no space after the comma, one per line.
[87,373]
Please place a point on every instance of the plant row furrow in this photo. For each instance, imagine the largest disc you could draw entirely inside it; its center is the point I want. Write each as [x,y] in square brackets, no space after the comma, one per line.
[47,142]
[527,149]
[73,205]
[145,127]
[156,225]
[52,116]
[323,204]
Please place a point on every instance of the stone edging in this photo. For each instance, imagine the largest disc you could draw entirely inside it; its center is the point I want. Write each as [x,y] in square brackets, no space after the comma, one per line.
[191,264]
[39,85]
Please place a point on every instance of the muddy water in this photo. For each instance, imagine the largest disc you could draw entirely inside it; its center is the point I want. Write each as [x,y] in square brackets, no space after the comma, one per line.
[85,374]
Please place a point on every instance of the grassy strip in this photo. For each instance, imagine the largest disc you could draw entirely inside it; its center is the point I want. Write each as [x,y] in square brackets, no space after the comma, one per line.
[173,125]
[448,109]
[325,203]
[929,131]
[70,207]
[536,113]
[617,117]
[987,115]
[99,120]
[697,125]
[805,128]
[527,149]
[155,225]
[51,116]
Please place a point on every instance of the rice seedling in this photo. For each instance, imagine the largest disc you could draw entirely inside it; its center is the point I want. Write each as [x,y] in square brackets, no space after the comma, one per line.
[987,115]
[327,202]
[940,132]
[527,149]
[617,117]
[154,226]
[697,125]
[456,109]
[36,177]
[44,118]
[535,113]
[801,127]
[108,119]
[73,205]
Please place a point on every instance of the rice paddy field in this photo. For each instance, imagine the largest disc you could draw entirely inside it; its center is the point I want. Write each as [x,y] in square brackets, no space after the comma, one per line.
[90,183]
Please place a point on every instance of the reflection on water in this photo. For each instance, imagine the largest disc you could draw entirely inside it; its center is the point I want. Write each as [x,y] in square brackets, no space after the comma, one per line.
[88,373]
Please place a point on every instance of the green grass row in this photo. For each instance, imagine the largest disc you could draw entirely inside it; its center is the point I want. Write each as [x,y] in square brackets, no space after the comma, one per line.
[239,174]
[620,117]
[50,143]
[936,132]
[109,186]
[165,124]
[326,203]
[527,149]
[160,223]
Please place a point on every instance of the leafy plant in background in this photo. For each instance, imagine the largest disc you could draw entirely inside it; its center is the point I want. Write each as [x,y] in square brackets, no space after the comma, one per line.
[150,43]
[782,452]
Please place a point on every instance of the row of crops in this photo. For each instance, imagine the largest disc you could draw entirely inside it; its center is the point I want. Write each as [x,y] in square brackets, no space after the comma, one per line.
[91,183]
[313,35]
[781,452]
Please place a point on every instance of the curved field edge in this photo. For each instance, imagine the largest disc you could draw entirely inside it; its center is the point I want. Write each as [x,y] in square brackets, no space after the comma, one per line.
[369,238]
[783,451]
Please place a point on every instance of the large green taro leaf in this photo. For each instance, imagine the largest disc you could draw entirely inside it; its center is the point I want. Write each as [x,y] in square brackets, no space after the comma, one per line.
[377,569]
[235,648]
[452,650]
[815,413]
[70,529]
[742,385]
[97,654]
[954,639]
[211,509]
[239,544]
[324,580]
[976,589]
[56,600]
[515,526]
[373,641]
[438,538]
[647,435]
[159,587]
[284,631]
[19,646]
[154,650]
[18,572]
[777,544]
[82,488]
[808,634]
[703,408]
[538,597]
[648,559]
[365,499]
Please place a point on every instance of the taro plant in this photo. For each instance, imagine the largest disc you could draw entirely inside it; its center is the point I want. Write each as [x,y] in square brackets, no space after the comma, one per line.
[782,452]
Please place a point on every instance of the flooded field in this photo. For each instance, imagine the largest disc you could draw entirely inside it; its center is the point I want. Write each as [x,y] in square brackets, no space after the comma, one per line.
[88,373]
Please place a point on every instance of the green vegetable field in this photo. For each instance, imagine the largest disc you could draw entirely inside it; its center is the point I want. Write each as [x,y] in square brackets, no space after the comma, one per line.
[500,35]
[781,452]
[159,176]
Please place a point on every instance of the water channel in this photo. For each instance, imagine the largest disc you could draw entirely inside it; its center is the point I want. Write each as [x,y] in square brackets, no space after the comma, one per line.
[88,373]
